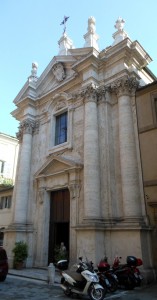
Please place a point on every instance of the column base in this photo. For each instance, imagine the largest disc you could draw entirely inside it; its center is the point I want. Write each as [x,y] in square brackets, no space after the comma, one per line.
[18,232]
[18,227]
[149,275]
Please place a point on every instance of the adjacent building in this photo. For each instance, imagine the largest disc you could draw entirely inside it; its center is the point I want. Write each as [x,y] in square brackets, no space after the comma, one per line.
[8,161]
[146,102]
[79,177]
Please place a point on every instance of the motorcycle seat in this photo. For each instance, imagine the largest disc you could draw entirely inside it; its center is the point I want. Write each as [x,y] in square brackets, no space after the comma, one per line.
[75,276]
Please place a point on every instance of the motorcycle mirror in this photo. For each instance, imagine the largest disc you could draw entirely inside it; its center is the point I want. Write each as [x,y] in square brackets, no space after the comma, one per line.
[80,258]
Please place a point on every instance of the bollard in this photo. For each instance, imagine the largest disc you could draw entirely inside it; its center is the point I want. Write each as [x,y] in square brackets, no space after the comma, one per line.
[51,273]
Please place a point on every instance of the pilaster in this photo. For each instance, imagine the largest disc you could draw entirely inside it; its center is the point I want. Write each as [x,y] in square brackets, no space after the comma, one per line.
[110,203]
[26,130]
[92,207]
[125,88]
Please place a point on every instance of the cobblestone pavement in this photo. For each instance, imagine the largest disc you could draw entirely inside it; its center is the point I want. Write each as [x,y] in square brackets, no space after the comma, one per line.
[16,288]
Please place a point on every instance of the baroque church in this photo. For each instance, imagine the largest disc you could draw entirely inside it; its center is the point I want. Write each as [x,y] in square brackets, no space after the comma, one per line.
[79,178]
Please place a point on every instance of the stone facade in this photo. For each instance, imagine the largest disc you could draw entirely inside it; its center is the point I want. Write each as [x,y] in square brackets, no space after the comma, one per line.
[98,163]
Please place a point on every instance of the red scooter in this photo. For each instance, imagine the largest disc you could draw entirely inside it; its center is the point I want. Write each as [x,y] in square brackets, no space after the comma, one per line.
[128,274]
[107,278]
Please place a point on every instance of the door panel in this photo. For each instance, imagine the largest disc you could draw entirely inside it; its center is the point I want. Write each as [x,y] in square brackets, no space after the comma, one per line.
[59,221]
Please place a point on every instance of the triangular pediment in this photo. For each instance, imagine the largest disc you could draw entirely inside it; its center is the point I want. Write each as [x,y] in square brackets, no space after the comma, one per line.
[47,81]
[57,165]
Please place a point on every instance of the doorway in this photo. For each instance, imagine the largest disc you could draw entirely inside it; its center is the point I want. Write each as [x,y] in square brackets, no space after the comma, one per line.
[59,221]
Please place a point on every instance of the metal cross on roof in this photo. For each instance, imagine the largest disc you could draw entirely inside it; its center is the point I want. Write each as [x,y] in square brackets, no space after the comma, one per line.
[64,23]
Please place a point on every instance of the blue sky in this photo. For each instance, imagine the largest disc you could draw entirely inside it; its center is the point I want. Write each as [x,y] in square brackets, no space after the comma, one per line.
[30,31]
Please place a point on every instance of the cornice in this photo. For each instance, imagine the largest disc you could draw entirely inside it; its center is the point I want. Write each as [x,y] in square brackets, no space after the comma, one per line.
[112,50]
[25,102]
[131,52]
[86,61]
[140,50]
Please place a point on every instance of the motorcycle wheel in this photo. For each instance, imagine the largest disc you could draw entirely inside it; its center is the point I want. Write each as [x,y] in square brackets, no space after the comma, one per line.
[67,291]
[96,294]
[129,284]
[2,278]
[113,285]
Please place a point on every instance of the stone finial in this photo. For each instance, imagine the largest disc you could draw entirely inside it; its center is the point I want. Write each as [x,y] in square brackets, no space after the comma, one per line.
[91,37]
[91,25]
[65,43]
[33,77]
[119,24]
[120,34]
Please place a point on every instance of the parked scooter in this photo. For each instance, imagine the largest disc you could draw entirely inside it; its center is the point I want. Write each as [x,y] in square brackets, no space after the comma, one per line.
[128,274]
[134,264]
[81,280]
[107,278]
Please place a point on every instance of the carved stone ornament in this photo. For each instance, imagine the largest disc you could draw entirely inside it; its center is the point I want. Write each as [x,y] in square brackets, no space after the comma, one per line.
[90,93]
[126,85]
[27,126]
[74,190]
[60,104]
[101,91]
[58,71]
[41,195]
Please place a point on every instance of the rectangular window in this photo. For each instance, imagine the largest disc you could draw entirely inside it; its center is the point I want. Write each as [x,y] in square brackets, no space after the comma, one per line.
[61,129]
[1,167]
[5,202]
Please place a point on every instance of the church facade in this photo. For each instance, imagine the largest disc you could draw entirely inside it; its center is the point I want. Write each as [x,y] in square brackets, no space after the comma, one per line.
[79,178]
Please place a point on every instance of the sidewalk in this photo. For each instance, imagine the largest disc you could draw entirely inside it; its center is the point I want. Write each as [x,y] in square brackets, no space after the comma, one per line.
[35,273]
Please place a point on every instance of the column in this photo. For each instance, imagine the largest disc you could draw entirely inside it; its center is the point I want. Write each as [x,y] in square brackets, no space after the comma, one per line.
[23,177]
[92,207]
[125,89]
[110,201]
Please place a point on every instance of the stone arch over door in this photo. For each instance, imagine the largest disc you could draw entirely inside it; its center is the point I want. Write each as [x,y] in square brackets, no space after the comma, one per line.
[58,173]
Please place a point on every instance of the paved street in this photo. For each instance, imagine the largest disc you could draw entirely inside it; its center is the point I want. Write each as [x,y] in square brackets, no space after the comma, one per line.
[16,288]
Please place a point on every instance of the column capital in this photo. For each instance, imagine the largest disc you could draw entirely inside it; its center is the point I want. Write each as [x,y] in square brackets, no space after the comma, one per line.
[27,126]
[89,94]
[74,189]
[103,93]
[125,86]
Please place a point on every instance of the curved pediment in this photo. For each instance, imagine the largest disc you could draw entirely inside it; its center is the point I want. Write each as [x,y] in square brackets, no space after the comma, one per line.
[56,165]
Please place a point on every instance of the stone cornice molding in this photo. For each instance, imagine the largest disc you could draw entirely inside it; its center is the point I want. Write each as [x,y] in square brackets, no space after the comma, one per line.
[125,86]
[27,126]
